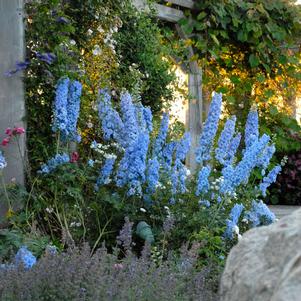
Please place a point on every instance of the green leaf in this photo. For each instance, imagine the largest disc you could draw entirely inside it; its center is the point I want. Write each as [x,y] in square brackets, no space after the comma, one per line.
[201,16]
[273,110]
[214,38]
[253,60]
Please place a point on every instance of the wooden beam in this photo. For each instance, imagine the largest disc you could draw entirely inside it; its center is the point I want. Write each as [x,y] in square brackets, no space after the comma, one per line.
[164,13]
[182,3]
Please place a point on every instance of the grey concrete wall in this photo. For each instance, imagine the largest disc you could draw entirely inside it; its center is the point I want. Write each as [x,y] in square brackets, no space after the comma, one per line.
[12,107]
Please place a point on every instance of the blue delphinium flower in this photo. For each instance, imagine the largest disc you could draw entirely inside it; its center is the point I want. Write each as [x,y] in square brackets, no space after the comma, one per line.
[167,155]
[205,203]
[73,108]
[152,175]
[91,162]
[260,214]
[203,182]
[240,174]
[183,146]
[54,162]
[111,123]
[3,163]
[251,128]
[60,122]
[269,179]
[130,121]
[225,139]
[234,144]
[267,154]
[161,138]
[132,166]
[203,152]
[232,222]
[180,172]
[25,257]
[105,173]
[148,117]
[94,144]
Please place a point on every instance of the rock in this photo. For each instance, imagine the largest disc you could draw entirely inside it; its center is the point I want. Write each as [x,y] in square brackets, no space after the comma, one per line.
[266,264]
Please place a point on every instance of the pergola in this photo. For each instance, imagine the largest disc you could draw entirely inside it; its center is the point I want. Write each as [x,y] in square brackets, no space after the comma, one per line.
[195,103]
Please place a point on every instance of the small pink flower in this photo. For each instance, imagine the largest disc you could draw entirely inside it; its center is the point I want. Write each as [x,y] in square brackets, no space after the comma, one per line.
[8,131]
[5,141]
[18,130]
[74,157]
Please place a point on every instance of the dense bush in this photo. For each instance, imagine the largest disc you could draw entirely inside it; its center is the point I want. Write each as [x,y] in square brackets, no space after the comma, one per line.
[78,275]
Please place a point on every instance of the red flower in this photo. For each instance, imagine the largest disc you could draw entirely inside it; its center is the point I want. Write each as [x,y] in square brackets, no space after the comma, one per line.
[18,130]
[74,157]
[5,141]
[8,131]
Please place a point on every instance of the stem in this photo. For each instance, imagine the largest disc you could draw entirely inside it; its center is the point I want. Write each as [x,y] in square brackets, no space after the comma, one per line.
[5,192]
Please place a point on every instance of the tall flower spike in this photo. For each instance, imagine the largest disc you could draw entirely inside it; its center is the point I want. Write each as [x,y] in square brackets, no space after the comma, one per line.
[152,175]
[203,152]
[183,146]
[60,122]
[54,162]
[203,182]
[232,149]
[111,123]
[105,173]
[267,154]
[129,118]
[73,108]
[269,179]
[161,138]
[232,222]
[251,128]
[224,141]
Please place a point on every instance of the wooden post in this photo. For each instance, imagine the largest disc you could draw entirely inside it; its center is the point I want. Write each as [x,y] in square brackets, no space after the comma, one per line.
[12,106]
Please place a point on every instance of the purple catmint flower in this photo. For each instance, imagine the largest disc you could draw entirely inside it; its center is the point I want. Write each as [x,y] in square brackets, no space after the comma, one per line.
[3,163]
[225,139]
[251,128]
[46,57]
[260,214]
[269,179]
[105,172]
[54,162]
[161,138]
[111,123]
[203,182]
[203,152]
[20,66]
[60,113]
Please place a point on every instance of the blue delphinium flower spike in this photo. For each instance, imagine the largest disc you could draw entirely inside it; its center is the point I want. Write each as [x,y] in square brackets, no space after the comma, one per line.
[251,128]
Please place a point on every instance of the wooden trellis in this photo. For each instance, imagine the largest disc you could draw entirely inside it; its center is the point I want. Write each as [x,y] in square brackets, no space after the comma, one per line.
[195,101]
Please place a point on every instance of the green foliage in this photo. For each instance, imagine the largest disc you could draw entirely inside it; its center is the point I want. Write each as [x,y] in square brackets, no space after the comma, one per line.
[71,30]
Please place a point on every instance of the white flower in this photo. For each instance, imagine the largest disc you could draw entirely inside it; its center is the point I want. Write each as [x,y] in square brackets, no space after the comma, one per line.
[90,31]
[90,125]
[72,42]
[78,224]
[142,210]
[236,230]
[110,156]
[188,172]
[49,210]
[100,29]
[96,50]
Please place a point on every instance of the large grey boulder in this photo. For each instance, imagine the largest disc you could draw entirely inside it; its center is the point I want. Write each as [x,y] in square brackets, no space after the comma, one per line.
[266,264]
